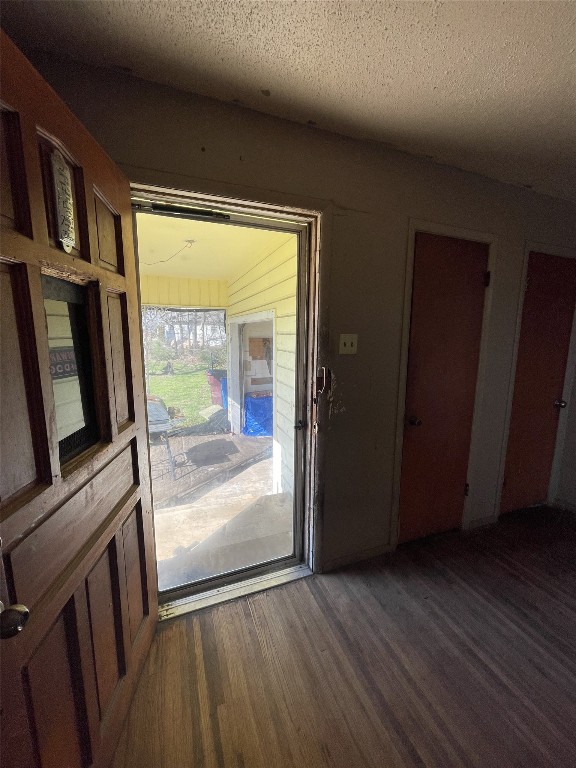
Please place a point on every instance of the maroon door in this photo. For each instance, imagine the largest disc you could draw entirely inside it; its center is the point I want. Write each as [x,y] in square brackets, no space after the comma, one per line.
[447,307]
[547,317]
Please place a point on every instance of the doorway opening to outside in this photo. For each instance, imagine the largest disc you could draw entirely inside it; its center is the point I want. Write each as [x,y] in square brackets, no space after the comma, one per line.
[225,325]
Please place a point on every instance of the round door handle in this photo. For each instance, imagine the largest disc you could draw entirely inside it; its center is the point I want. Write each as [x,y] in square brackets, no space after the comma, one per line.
[13,619]
[560,403]
[415,422]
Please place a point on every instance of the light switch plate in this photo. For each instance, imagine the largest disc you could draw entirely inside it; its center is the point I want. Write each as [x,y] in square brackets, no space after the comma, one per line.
[348,343]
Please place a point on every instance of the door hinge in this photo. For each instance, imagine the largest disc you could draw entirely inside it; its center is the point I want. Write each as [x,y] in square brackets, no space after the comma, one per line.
[487,278]
[466,489]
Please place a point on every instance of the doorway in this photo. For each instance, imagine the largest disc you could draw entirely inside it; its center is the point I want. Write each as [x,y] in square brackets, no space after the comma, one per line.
[540,387]
[225,319]
[448,294]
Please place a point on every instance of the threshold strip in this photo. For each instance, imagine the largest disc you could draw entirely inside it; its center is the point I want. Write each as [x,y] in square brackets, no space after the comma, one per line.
[231,591]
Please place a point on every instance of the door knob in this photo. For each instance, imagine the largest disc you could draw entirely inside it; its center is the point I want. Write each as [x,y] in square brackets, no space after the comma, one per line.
[12,620]
[560,403]
[414,422]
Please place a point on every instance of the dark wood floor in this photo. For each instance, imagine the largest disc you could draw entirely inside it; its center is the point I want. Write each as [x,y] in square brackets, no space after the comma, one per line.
[455,651]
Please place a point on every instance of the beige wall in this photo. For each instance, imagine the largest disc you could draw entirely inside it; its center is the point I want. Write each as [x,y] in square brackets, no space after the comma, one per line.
[368,195]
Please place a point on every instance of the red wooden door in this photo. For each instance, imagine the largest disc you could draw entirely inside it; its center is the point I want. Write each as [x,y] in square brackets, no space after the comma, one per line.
[76,526]
[547,317]
[447,306]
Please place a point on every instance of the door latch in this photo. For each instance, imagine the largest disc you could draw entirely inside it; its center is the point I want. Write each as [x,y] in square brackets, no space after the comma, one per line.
[323,381]
[560,403]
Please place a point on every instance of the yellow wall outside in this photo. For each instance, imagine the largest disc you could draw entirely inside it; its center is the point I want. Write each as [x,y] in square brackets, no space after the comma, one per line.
[271,285]
[161,291]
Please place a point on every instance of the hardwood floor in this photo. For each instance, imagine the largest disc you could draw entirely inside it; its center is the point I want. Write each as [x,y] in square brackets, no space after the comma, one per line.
[455,651]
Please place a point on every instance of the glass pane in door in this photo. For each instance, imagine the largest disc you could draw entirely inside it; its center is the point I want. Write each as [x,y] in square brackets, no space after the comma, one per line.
[220,327]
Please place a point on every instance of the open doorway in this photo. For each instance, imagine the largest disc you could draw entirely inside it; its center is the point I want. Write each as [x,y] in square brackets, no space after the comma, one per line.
[222,317]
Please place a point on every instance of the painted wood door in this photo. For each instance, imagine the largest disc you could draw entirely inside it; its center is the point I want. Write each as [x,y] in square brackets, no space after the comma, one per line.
[448,293]
[547,317]
[76,525]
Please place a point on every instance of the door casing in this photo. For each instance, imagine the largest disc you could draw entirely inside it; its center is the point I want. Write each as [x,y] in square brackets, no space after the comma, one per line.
[306,225]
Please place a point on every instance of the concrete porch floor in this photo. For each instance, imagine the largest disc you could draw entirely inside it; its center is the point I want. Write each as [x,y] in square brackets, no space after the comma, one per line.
[234,525]
[187,466]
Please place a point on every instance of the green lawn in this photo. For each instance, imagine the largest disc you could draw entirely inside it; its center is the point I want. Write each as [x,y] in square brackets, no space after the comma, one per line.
[188,391]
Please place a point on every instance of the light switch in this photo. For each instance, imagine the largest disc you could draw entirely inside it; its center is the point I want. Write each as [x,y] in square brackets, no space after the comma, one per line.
[348,343]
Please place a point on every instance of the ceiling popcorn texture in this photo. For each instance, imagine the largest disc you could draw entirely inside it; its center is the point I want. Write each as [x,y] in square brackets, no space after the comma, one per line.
[489,87]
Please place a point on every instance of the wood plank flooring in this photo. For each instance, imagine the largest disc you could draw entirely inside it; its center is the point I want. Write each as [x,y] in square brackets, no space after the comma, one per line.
[456,651]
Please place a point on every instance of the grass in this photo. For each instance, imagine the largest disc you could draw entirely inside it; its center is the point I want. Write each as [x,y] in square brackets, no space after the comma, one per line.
[188,391]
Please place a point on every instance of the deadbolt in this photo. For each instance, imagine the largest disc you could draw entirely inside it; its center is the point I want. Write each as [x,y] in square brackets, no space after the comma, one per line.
[13,619]
[560,403]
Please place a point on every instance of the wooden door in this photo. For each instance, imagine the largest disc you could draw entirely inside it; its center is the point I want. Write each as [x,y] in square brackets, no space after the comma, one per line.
[547,317]
[75,511]
[445,329]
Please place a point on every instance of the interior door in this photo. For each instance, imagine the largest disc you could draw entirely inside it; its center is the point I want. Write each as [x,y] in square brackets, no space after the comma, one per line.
[76,525]
[547,317]
[447,306]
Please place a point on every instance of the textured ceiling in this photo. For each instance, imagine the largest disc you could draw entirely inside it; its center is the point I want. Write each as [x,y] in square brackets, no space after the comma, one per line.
[202,250]
[486,86]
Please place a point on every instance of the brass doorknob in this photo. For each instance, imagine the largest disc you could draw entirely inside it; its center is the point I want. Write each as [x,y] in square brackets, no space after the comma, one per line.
[13,620]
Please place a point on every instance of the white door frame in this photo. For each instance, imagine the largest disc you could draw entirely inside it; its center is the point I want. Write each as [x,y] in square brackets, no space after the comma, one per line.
[436,228]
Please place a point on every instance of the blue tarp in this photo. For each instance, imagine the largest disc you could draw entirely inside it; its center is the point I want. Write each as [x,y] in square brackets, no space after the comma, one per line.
[224,388]
[258,416]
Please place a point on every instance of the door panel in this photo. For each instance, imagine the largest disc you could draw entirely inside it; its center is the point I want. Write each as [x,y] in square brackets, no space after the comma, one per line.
[103,603]
[75,514]
[50,674]
[16,446]
[445,330]
[547,317]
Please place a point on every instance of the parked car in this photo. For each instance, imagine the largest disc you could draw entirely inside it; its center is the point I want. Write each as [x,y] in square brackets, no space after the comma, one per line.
[162,420]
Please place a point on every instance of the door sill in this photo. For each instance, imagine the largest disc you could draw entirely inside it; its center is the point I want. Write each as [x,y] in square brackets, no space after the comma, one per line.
[231,592]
